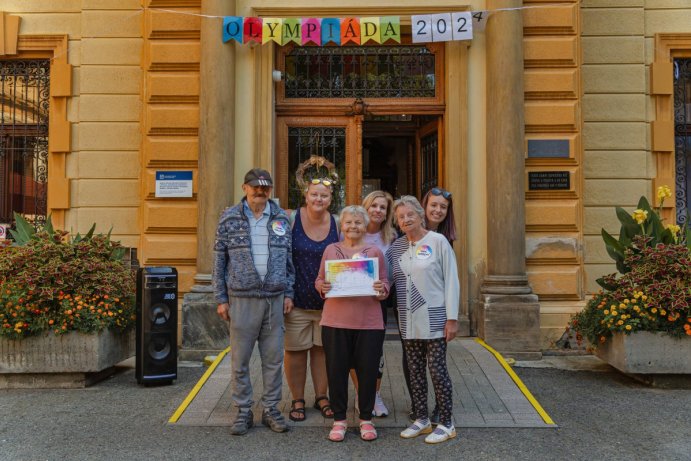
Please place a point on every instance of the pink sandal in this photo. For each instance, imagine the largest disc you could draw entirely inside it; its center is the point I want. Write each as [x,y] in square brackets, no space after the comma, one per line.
[338,431]
[367,431]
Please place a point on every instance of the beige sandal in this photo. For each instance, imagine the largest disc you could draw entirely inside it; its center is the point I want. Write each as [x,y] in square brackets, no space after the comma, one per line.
[367,431]
[338,431]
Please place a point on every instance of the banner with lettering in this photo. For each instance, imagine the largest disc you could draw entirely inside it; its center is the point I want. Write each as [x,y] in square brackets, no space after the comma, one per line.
[441,27]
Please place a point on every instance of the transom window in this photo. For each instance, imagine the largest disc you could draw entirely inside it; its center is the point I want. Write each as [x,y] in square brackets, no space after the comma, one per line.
[360,72]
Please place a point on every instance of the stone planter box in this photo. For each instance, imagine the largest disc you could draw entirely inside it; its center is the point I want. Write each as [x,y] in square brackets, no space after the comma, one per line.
[71,360]
[654,358]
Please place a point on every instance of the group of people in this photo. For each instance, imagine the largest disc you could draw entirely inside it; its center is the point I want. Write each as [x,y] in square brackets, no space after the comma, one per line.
[270,283]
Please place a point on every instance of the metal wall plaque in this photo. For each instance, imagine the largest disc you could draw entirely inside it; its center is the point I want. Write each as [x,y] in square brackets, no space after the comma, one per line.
[549,180]
[548,148]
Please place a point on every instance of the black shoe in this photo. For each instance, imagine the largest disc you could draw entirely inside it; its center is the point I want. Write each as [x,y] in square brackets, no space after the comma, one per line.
[434,417]
[243,422]
[273,418]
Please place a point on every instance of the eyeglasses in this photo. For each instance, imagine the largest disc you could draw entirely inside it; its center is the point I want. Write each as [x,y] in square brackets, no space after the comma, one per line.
[439,191]
[326,182]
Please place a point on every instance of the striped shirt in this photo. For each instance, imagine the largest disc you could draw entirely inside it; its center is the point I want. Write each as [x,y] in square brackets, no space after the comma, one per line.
[427,286]
[259,236]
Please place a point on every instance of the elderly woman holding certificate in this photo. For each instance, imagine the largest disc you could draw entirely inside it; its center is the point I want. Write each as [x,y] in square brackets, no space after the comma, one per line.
[353,279]
[423,268]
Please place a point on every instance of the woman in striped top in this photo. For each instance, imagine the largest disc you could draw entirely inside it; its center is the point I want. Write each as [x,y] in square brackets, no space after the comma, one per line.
[423,268]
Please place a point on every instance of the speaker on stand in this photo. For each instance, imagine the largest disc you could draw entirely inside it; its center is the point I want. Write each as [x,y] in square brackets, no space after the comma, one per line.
[157,325]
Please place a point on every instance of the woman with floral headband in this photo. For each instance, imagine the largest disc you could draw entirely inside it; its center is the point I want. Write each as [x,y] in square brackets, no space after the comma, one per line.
[314,228]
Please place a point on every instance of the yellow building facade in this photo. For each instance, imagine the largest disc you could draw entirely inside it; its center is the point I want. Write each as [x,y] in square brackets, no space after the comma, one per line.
[140,86]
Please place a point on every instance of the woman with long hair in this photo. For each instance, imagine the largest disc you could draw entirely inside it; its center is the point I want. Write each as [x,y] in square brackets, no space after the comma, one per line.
[438,206]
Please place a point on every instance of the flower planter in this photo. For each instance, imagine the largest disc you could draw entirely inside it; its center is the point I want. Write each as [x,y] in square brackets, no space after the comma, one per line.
[654,358]
[71,360]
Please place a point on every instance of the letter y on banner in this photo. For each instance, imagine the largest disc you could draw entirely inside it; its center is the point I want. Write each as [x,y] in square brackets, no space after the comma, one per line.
[271,30]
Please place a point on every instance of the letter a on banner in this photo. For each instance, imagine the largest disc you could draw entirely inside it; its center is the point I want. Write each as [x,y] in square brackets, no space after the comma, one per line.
[422,28]
[390,28]
[291,31]
[271,30]
[232,28]
[462,26]
[311,31]
[369,27]
[331,31]
[252,31]
[350,31]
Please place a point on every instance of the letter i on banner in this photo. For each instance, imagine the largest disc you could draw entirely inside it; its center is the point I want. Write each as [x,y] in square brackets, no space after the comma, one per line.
[462,26]
[331,31]
[271,30]
[350,31]
[253,30]
[232,28]
[422,28]
[291,31]
[441,27]
[480,20]
[311,31]
[369,27]
[390,29]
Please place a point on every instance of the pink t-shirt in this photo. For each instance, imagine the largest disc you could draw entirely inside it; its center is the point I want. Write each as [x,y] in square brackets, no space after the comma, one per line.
[357,312]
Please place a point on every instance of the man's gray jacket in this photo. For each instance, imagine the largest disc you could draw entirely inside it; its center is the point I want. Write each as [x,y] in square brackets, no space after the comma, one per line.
[234,271]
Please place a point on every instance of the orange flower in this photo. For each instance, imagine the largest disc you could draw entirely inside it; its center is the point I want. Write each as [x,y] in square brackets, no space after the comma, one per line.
[51,321]
[687,327]
[688,332]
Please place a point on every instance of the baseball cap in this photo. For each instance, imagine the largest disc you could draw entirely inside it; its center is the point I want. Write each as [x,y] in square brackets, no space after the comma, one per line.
[258,177]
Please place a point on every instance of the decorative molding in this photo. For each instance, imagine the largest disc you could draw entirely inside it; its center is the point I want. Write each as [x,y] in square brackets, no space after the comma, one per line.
[173,164]
[9,33]
[152,196]
[171,230]
[551,228]
[171,261]
[551,261]
[173,99]
[542,95]
[175,3]
[161,131]
[175,35]
[530,129]
[174,67]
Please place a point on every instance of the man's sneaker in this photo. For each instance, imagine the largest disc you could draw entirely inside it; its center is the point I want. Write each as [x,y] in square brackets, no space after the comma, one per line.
[420,426]
[434,417]
[380,409]
[441,434]
[273,418]
[243,422]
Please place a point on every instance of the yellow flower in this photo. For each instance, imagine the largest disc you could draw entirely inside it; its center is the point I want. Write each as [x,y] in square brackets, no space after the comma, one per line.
[663,192]
[674,228]
[640,215]
[628,327]
[644,298]
[653,310]
[606,312]
[663,312]
[614,312]
[636,308]
[620,322]
[626,301]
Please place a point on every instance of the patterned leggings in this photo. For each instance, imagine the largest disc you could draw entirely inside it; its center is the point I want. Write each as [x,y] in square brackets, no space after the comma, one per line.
[420,353]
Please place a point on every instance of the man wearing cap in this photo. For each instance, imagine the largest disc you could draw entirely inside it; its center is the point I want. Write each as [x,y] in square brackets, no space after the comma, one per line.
[253,285]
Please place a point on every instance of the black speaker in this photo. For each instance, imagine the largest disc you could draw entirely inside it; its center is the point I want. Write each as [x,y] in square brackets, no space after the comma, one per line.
[157,325]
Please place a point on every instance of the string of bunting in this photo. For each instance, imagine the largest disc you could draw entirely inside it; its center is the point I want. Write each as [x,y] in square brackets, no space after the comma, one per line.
[440,27]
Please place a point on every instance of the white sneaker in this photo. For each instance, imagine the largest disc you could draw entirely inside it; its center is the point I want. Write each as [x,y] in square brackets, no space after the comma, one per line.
[380,409]
[420,426]
[441,434]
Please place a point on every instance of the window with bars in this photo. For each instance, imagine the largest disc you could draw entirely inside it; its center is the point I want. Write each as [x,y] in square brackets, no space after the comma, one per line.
[360,72]
[24,100]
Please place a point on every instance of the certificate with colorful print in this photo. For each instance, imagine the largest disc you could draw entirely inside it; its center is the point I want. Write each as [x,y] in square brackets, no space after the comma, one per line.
[352,277]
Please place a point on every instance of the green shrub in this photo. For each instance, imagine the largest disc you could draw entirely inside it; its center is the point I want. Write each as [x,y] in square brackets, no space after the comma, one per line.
[50,282]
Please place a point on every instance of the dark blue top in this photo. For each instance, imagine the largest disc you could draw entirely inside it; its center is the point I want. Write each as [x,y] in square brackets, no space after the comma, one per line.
[307,256]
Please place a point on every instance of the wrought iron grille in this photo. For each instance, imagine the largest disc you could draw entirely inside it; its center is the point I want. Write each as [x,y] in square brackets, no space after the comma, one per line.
[359,72]
[682,136]
[327,142]
[429,149]
[24,99]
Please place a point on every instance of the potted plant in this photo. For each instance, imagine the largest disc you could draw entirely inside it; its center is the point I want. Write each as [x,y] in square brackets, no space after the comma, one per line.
[66,306]
[640,321]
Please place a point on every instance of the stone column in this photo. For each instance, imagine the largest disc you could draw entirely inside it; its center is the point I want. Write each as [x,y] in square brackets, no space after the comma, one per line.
[510,313]
[202,330]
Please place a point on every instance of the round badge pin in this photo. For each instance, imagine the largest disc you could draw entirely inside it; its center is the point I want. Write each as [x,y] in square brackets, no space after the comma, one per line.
[423,252]
[278,227]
